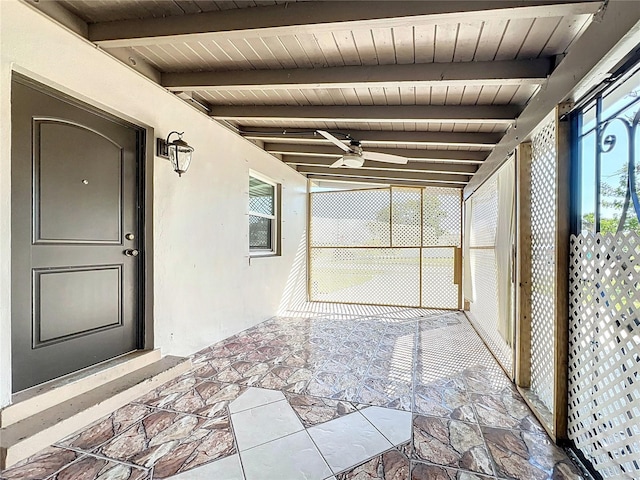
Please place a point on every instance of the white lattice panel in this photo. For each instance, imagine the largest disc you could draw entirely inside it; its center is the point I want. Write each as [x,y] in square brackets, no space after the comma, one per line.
[438,289]
[484,308]
[406,215]
[392,222]
[543,272]
[485,215]
[354,218]
[604,352]
[379,276]
[442,216]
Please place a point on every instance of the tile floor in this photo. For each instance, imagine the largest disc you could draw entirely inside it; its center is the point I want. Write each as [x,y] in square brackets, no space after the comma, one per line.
[373,393]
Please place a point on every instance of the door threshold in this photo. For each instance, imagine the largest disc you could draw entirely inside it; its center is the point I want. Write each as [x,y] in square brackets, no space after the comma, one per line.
[40,397]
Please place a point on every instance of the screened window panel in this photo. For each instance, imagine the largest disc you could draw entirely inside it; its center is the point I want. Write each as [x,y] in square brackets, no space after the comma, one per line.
[441,217]
[260,233]
[367,246]
[358,218]
[484,309]
[438,269]
[261,197]
[383,276]
[406,213]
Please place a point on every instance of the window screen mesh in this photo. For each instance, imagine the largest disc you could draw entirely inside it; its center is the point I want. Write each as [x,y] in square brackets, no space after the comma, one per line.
[376,246]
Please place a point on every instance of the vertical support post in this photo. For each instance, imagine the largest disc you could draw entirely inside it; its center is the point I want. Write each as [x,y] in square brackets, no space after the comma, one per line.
[309,240]
[421,303]
[457,273]
[523,266]
[562,242]
[459,259]
[390,216]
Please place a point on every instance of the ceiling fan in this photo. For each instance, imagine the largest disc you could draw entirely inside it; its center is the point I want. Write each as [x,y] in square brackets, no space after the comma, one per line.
[354,156]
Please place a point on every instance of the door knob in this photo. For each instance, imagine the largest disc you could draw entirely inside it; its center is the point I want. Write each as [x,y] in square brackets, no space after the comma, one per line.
[130,236]
[131,252]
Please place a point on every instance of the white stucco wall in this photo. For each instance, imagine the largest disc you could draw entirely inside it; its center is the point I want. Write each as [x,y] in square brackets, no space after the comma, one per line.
[205,286]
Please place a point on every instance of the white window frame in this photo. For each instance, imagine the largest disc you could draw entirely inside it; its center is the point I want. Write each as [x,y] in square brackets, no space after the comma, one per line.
[275,218]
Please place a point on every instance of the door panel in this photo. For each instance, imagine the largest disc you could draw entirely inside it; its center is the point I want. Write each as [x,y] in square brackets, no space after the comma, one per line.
[88,176]
[94,303]
[74,198]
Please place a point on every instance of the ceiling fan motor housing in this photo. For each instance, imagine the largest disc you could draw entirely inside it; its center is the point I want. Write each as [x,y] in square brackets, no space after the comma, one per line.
[355,147]
[352,159]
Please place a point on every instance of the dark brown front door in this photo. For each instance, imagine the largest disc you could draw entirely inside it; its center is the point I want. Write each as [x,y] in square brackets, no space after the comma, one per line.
[74,237]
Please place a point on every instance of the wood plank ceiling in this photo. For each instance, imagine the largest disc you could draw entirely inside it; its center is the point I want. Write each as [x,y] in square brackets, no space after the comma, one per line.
[438,82]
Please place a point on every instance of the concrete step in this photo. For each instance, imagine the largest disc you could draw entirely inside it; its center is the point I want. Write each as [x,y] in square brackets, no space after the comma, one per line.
[23,438]
[28,402]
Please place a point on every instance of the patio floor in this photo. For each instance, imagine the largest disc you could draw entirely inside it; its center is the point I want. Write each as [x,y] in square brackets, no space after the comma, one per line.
[345,392]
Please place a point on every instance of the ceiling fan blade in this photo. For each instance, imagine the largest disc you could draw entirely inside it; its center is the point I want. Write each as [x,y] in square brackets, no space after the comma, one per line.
[337,164]
[334,140]
[384,157]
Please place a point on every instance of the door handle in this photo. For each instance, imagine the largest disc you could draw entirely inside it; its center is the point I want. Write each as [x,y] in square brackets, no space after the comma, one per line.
[131,252]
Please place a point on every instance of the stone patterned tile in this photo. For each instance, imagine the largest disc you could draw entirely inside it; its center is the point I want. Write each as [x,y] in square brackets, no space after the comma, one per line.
[286,378]
[391,465]
[314,411]
[338,364]
[272,353]
[385,393]
[317,388]
[172,442]
[217,351]
[299,358]
[213,441]
[505,411]
[236,347]
[243,372]
[440,321]
[445,402]
[209,399]
[169,392]
[205,370]
[41,465]
[425,471]
[364,343]
[488,379]
[94,468]
[107,428]
[328,366]
[526,456]
[450,443]
[381,366]
[404,328]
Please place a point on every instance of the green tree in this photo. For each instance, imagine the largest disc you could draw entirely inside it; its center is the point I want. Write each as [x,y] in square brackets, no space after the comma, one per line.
[407,212]
[613,197]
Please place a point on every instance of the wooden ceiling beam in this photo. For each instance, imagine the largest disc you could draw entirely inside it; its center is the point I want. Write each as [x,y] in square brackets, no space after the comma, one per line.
[514,72]
[380,182]
[452,156]
[500,114]
[367,137]
[384,175]
[417,167]
[294,18]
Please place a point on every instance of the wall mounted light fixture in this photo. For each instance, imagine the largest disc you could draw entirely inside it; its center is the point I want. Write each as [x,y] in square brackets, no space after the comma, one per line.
[177,151]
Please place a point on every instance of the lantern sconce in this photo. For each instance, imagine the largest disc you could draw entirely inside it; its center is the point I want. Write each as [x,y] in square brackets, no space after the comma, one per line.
[178,152]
